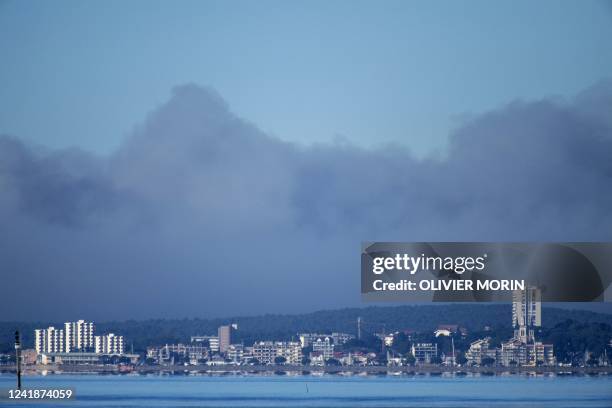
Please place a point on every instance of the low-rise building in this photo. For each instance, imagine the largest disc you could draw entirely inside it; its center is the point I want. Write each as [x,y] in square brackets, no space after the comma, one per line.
[424,353]
[291,351]
[212,342]
[267,351]
[515,352]
[337,338]
[264,352]
[84,358]
[235,353]
[323,345]
[109,344]
[170,353]
[479,350]
[341,338]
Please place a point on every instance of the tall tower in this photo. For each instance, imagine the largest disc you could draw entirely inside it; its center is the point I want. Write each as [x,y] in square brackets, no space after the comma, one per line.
[526,313]
[225,338]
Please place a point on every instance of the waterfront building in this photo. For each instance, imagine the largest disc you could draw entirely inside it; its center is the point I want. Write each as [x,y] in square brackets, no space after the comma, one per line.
[523,349]
[424,353]
[235,352]
[193,353]
[526,313]
[28,356]
[49,340]
[325,346]
[109,344]
[80,358]
[291,350]
[341,338]
[213,342]
[306,339]
[479,350]
[516,353]
[267,351]
[264,352]
[317,359]
[224,334]
[79,336]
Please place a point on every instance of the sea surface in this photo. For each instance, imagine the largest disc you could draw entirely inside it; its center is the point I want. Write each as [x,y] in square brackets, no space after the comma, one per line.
[322,391]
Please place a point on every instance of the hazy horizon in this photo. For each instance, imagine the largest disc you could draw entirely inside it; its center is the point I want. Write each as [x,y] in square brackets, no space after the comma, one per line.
[601,307]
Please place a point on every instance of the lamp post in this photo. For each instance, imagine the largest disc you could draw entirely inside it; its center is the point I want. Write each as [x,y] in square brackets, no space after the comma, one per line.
[18,358]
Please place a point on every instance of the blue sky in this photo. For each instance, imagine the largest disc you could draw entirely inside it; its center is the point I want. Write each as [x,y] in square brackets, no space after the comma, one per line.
[187,194]
[87,73]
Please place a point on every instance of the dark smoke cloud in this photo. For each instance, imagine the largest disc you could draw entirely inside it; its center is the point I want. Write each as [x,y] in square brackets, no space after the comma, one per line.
[199,213]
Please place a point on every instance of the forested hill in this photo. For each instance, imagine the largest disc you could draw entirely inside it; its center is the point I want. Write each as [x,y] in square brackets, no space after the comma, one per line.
[283,327]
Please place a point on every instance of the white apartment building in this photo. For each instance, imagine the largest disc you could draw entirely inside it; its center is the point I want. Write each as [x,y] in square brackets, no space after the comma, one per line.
[213,343]
[49,340]
[479,350]
[514,352]
[306,339]
[325,346]
[264,352]
[162,355]
[291,350]
[109,344]
[235,352]
[267,351]
[341,338]
[424,353]
[79,336]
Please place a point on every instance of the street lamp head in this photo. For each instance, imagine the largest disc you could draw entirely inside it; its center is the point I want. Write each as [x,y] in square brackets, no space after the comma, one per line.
[17,340]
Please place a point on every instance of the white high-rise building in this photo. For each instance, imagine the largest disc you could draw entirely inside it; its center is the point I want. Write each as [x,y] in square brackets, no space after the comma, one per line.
[109,344]
[526,313]
[49,340]
[79,336]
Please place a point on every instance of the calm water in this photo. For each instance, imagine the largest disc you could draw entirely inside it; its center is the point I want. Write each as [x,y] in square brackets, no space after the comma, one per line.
[324,391]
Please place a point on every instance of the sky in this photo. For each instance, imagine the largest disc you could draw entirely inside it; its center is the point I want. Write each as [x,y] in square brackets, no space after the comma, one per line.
[226,158]
[87,73]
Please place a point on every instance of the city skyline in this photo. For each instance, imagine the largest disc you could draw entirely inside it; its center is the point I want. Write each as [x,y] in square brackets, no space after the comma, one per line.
[450,345]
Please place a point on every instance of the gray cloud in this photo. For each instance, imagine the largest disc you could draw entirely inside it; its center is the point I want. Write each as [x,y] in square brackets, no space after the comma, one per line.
[199,213]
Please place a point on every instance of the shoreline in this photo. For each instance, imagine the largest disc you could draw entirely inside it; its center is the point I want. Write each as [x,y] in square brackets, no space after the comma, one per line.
[304,370]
